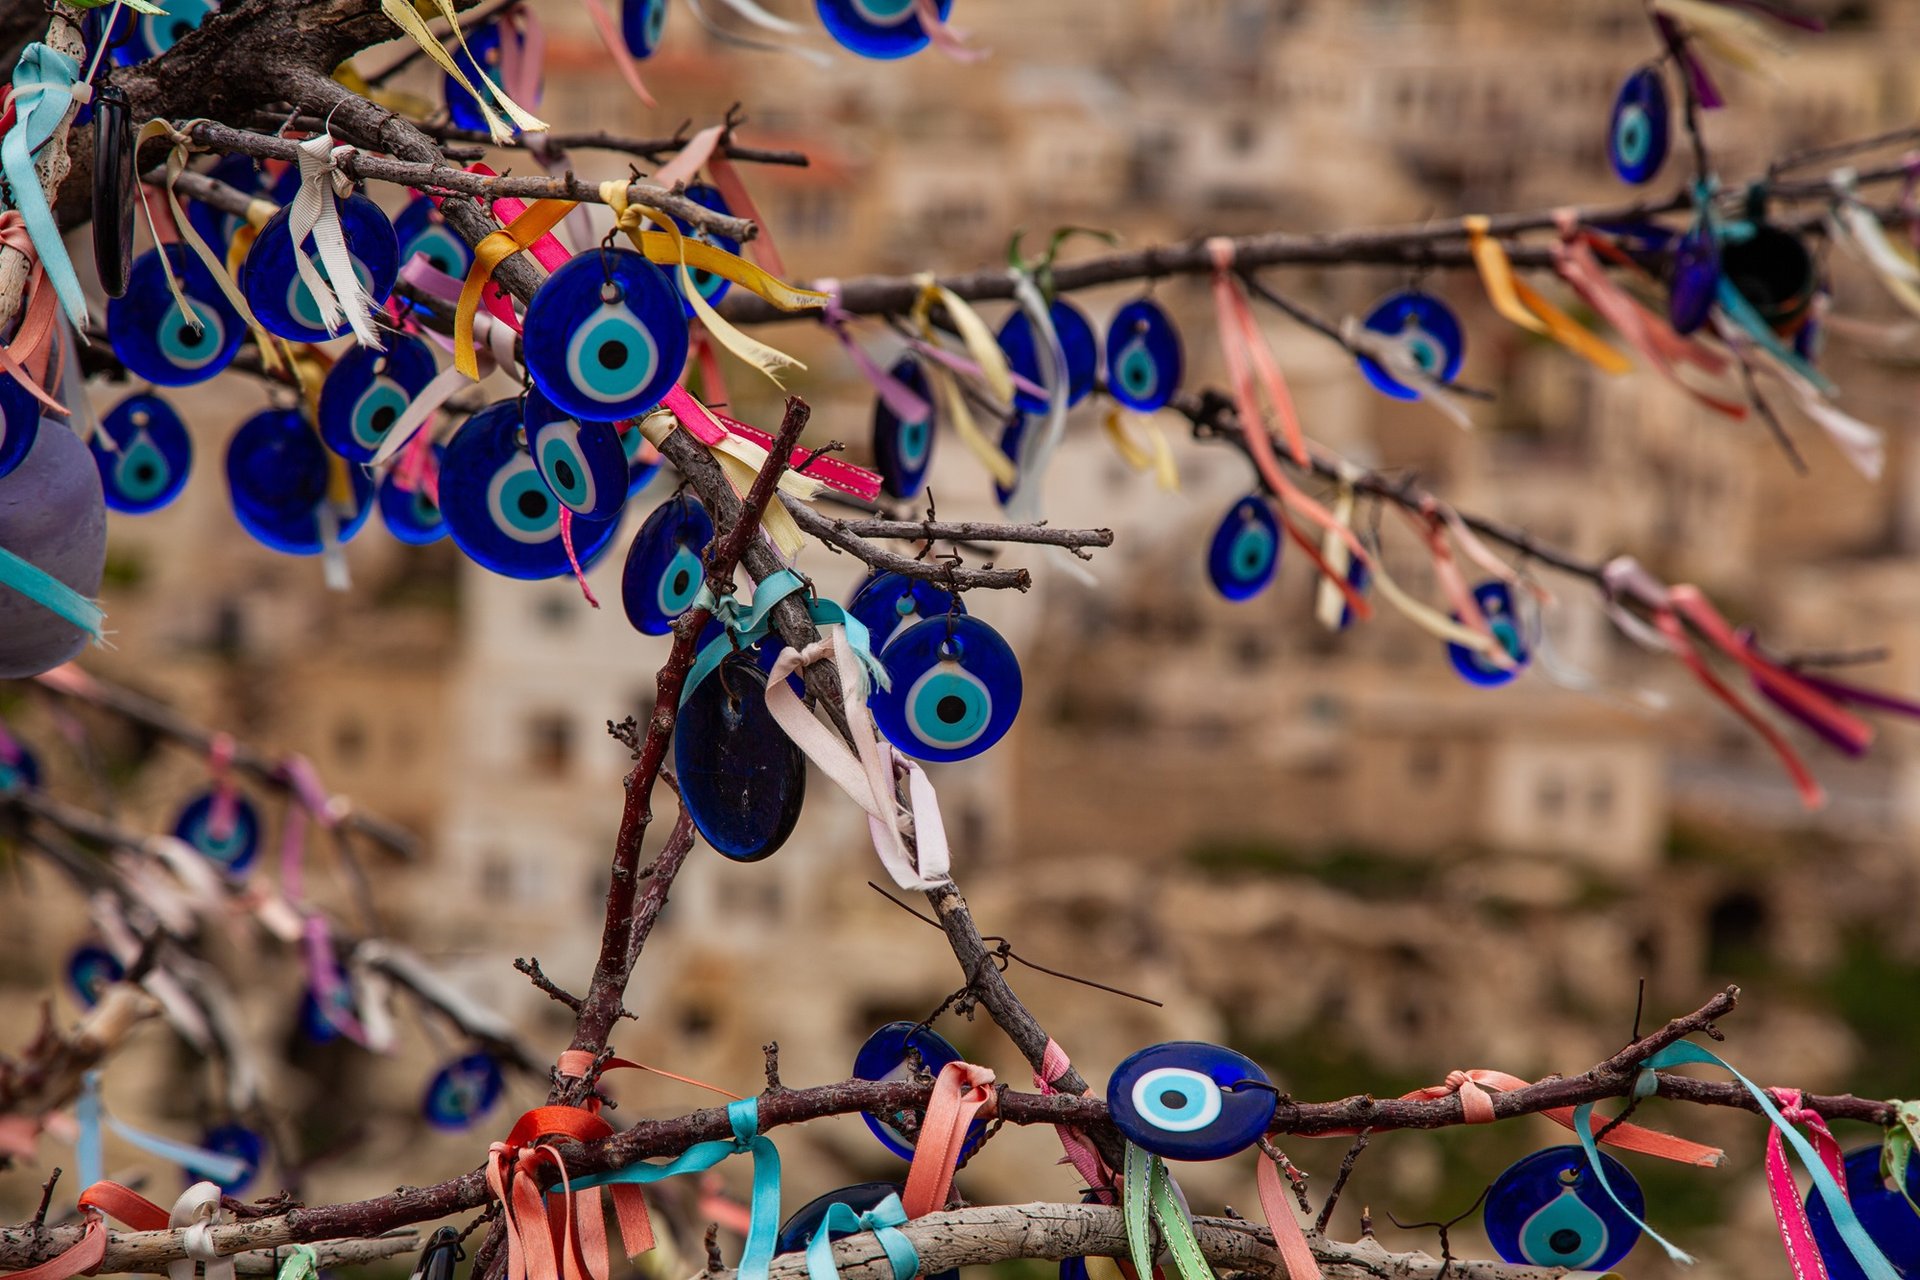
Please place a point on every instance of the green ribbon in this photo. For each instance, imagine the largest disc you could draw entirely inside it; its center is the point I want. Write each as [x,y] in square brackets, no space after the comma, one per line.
[745,626]
[302,1264]
[1149,1201]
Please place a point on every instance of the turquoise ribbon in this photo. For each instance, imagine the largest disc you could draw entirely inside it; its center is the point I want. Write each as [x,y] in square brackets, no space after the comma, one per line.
[764,1207]
[884,1220]
[43,82]
[1859,1243]
[1742,313]
[28,579]
[745,626]
[88,1146]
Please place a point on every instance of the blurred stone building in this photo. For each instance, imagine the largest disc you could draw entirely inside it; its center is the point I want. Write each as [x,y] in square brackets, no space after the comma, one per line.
[1323,848]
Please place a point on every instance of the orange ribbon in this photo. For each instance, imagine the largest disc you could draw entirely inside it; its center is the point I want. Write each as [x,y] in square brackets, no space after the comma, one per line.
[962,1093]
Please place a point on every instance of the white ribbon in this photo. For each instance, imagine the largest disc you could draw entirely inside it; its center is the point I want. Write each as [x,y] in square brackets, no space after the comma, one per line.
[869,777]
[198,1210]
[316,212]
[1037,447]
[1394,353]
[1330,603]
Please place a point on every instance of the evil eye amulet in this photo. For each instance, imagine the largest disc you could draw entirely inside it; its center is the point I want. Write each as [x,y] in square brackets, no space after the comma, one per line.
[1638,134]
[1889,1220]
[280,299]
[244,1145]
[877,28]
[1189,1100]
[233,851]
[888,603]
[278,477]
[151,336]
[316,1021]
[742,778]
[1432,335]
[1245,551]
[887,1055]
[664,570]
[498,509]
[411,516]
[19,423]
[1144,360]
[902,448]
[583,464]
[1077,342]
[144,454]
[1549,1210]
[150,35]
[91,970]
[1359,577]
[606,336]
[366,391]
[955,689]
[1496,603]
[1696,278]
[712,287]
[423,233]
[797,1232]
[642,22]
[463,1091]
[21,773]
[643,462]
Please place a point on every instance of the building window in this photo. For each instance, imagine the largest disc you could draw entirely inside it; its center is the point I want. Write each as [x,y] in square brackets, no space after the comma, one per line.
[349,741]
[1551,796]
[496,875]
[1600,798]
[549,744]
[1424,763]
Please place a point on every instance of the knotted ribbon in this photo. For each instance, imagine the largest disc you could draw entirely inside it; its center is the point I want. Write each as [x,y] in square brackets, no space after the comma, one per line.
[198,1209]
[1519,302]
[316,212]
[44,89]
[1825,1184]
[987,356]
[1149,1201]
[1054,1065]
[28,356]
[744,1118]
[884,1220]
[1789,1214]
[962,1093]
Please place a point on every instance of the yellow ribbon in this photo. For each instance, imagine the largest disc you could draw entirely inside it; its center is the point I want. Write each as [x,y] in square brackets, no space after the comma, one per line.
[1525,306]
[522,233]
[407,18]
[1156,455]
[740,461]
[986,353]
[668,246]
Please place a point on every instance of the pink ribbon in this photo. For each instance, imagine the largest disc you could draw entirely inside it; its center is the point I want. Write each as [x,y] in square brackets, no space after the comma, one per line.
[906,403]
[703,150]
[225,810]
[710,428]
[1054,1064]
[28,356]
[947,38]
[522,59]
[961,364]
[573,560]
[547,250]
[617,46]
[1789,1214]
[1296,1256]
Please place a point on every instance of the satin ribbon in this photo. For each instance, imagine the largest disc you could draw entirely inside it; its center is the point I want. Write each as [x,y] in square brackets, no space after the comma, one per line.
[987,357]
[316,212]
[906,403]
[1475,1090]
[1825,1184]
[44,90]
[1520,303]
[1156,455]
[547,249]
[303,1264]
[198,1210]
[1753,326]
[402,14]
[522,232]
[93,1118]
[1789,1214]
[617,48]
[27,356]
[1734,37]
[548,1240]
[669,246]
[1466,607]
[226,797]
[1329,605]
[703,150]
[884,1220]
[868,771]
[726,35]
[1626,580]
[740,461]
[1054,1065]
[1149,1201]
[102,1200]
[744,1118]
[944,36]
[962,1093]
[744,627]
[1296,1255]
[1576,260]
[24,578]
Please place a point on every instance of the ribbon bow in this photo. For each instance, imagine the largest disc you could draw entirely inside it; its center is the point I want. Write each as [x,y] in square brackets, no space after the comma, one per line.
[198,1209]
[316,212]
[884,1220]
[962,1093]
[744,1118]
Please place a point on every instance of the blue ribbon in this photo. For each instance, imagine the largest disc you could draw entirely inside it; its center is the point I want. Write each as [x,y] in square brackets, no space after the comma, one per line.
[1859,1243]
[88,1146]
[43,83]
[884,1220]
[763,1225]
[25,578]
[753,623]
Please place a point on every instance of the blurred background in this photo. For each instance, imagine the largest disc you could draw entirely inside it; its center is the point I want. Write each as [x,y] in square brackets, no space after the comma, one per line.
[1323,849]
